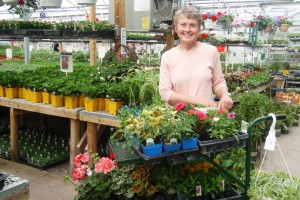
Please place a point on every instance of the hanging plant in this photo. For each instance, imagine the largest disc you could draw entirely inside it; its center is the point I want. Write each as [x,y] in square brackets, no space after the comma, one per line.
[23,8]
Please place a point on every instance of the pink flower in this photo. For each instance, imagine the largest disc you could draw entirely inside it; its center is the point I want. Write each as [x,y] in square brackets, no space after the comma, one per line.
[201,115]
[77,161]
[191,112]
[78,174]
[104,165]
[85,157]
[221,111]
[180,106]
[231,115]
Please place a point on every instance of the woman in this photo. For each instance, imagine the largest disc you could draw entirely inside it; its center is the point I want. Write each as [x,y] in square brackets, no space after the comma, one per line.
[191,72]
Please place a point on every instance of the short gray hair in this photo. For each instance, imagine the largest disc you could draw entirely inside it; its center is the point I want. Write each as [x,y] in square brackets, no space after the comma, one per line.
[189,12]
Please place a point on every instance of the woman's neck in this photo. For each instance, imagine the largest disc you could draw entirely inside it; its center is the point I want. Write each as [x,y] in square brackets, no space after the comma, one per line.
[187,48]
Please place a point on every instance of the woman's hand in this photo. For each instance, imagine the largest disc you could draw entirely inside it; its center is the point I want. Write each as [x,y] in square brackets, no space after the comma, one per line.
[225,102]
[207,103]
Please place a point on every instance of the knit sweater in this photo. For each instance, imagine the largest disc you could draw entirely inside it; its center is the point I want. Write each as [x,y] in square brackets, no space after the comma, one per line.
[197,74]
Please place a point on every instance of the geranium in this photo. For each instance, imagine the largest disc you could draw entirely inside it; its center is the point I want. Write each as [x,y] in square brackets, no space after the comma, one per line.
[208,15]
[23,8]
[106,178]
[284,20]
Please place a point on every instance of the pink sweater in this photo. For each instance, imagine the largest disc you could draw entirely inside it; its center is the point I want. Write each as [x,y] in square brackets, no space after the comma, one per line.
[197,74]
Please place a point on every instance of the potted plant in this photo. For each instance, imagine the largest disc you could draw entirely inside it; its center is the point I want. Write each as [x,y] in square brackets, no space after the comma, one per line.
[22,8]
[117,96]
[263,22]
[68,28]
[112,181]
[225,19]
[144,128]
[286,68]
[284,23]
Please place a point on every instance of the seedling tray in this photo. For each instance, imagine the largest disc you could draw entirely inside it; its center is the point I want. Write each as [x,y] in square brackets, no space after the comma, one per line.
[218,145]
[124,153]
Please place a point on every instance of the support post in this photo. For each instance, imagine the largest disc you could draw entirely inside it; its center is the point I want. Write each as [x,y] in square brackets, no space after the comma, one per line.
[93,49]
[75,137]
[26,51]
[120,19]
[14,135]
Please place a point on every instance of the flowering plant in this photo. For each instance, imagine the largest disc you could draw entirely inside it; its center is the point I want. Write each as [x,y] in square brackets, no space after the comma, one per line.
[284,20]
[239,22]
[264,20]
[212,16]
[213,122]
[23,8]
[106,179]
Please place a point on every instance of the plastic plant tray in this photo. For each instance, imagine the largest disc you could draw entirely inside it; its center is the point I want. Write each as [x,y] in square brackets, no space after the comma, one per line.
[124,153]
[218,145]
[166,154]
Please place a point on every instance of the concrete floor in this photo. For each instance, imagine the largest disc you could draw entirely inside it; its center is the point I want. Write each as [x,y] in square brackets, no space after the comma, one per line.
[50,184]
[290,148]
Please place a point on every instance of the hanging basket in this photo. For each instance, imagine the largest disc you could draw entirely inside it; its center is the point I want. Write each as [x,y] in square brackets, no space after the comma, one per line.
[268,29]
[86,2]
[10,2]
[51,4]
[283,27]
[109,55]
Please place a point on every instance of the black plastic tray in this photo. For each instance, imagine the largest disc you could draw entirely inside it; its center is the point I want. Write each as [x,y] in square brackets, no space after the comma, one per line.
[3,176]
[218,145]
[44,166]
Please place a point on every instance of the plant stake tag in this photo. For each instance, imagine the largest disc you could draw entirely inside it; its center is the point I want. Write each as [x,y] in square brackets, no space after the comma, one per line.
[198,190]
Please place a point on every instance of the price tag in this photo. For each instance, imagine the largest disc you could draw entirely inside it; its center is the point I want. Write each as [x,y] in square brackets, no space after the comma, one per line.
[270,142]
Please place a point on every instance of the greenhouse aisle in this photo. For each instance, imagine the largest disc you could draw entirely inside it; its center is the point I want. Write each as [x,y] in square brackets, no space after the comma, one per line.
[290,147]
[43,185]
[49,185]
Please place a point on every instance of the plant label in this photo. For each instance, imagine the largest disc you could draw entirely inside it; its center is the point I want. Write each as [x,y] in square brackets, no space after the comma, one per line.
[270,142]
[198,190]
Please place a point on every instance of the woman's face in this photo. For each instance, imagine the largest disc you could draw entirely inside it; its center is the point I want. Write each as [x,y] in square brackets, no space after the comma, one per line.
[187,30]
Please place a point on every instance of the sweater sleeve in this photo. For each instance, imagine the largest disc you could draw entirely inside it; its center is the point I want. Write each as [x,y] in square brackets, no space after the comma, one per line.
[165,85]
[218,80]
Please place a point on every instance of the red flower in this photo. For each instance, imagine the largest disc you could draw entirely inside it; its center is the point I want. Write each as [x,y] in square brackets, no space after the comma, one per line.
[111,156]
[204,16]
[204,35]
[201,115]
[221,111]
[219,13]
[97,19]
[180,106]
[214,18]
[251,24]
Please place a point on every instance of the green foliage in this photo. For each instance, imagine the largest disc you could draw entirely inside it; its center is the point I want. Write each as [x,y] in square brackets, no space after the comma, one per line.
[274,185]
[23,8]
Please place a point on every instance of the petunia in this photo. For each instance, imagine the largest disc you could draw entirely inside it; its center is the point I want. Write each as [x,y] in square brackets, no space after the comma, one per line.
[231,115]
